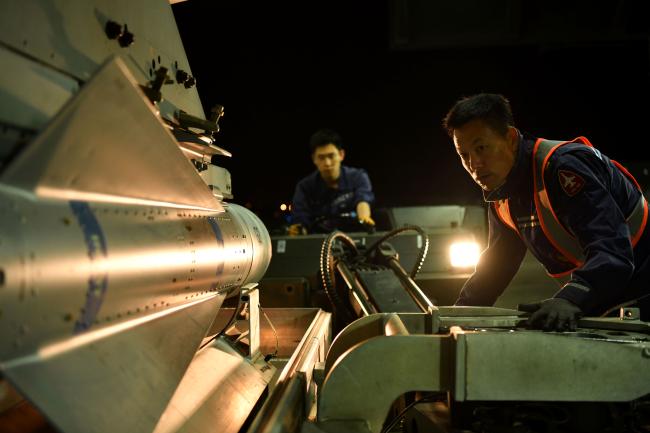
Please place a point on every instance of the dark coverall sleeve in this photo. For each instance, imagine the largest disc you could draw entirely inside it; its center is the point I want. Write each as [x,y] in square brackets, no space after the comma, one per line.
[496,267]
[363,188]
[302,212]
[593,216]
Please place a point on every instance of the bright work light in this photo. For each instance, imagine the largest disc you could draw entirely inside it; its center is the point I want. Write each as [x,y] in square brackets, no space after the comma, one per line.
[464,254]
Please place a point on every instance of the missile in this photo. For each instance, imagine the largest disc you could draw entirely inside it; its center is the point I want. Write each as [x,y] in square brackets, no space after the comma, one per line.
[115,258]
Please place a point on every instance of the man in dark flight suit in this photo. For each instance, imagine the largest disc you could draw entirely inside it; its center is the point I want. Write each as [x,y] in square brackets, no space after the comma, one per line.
[334,196]
[580,214]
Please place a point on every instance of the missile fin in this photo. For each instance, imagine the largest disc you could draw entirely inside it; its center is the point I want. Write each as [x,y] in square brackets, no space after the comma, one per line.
[131,368]
[108,144]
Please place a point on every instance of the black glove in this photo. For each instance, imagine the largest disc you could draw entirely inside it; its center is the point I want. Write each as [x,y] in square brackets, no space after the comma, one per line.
[554,314]
[368,225]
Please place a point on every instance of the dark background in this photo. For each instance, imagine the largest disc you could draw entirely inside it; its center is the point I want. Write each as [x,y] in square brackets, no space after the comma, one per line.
[383,74]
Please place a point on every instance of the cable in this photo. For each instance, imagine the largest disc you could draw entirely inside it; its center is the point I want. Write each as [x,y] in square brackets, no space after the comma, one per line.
[419,261]
[326,269]
[228,325]
[426,398]
[269,356]
[326,266]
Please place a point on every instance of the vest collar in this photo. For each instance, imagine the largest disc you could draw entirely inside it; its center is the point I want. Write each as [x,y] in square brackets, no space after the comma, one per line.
[519,174]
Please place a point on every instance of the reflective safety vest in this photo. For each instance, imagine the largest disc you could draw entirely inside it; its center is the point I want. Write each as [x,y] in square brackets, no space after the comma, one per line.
[564,242]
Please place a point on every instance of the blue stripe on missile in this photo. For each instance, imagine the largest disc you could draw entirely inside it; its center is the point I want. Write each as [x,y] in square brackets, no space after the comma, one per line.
[219,237]
[96,246]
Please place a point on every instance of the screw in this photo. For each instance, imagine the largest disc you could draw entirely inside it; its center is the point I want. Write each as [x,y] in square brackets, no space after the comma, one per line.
[126,38]
[112,29]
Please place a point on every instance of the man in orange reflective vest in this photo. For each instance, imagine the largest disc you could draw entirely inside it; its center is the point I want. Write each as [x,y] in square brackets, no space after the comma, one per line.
[579,213]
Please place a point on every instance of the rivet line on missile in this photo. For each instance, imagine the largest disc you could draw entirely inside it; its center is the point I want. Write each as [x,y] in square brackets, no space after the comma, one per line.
[60,347]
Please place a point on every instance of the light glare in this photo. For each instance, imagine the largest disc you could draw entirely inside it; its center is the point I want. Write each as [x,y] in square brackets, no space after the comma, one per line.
[464,254]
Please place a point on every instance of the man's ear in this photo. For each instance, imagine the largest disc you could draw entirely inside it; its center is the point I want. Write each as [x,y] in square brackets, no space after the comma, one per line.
[513,136]
[342,154]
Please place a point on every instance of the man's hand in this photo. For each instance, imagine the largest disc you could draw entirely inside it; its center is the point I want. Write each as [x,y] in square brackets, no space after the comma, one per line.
[296,229]
[367,220]
[554,314]
[363,214]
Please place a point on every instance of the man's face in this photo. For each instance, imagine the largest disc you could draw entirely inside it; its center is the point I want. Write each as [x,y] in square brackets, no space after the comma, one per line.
[486,155]
[328,161]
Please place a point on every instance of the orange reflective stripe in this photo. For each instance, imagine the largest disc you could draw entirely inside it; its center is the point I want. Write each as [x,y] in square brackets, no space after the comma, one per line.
[563,241]
[636,213]
[644,220]
[503,212]
[583,140]
[562,274]
[543,199]
[626,173]
[554,231]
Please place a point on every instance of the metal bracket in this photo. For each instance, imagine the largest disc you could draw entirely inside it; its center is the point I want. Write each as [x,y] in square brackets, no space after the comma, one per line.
[627,313]
[251,295]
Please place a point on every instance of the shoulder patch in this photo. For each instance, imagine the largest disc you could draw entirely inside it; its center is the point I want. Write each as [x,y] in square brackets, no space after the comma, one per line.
[570,182]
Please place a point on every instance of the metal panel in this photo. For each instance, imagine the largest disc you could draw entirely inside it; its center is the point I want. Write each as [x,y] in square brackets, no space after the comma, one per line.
[218,392]
[284,292]
[368,327]
[428,216]
[538,366]
[110,124]
[298,256]
[69,36]
[367,379]
[20,104]
[288,403]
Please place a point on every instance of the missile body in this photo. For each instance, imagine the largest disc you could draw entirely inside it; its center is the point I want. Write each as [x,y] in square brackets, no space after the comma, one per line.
[115,257]
[68,267]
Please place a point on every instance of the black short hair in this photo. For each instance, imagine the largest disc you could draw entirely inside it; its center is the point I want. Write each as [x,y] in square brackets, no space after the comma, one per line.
[491,108]
[323,137]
